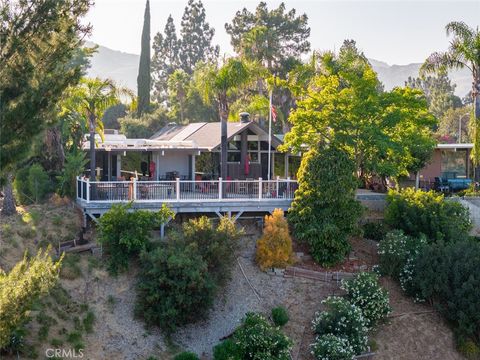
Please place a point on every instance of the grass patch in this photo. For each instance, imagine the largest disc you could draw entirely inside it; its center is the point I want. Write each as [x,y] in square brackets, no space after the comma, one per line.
[89,321]
[27,231]
[111,303]
[57,220]
[76,340]
[70,267]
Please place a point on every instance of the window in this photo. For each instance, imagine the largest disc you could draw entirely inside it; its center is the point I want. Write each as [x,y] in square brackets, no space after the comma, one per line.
[253,157]
[253,145]
[454,164]
[233,157]
[234,145]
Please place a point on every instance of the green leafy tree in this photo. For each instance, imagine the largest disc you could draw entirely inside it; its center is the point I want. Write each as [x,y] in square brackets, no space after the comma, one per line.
[463,52]
[324,212]
[165,60]
[216,84]
[386,133]
[74,165]
[36,66]
[454,125]
[276,39]
[145,126]
[144,77]
[439,92]
[126,233]
[178,84]
[196,37]
[29,279]
[269,36]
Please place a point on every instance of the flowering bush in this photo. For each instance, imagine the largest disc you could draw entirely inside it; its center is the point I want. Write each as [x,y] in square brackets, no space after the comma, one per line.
[342,319]
[256,339]
[365,292]
[331,347]
[394,251]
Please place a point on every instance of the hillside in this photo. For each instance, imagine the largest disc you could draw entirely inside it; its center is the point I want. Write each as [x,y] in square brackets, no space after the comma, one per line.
[123,67]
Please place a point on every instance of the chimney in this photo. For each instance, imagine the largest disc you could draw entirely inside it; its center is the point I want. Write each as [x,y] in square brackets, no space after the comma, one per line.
[244,117]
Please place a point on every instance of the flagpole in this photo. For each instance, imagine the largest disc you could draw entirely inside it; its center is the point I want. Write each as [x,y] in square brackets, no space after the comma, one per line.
[270,134]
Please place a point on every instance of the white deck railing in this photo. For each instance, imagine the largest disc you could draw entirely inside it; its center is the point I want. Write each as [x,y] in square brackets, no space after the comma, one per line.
[184,190]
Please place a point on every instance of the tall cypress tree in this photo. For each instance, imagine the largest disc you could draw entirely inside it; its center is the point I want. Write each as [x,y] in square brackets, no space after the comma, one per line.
[144,79]
[165,59]
[196,44]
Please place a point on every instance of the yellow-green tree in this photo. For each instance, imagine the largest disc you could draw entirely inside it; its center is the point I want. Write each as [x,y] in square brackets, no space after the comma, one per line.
[274,248]
[29,279]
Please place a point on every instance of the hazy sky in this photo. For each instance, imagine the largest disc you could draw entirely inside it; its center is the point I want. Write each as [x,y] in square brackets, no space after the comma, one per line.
[397,32]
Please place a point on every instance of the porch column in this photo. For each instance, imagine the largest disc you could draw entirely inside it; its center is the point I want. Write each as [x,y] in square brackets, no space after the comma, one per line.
[286,165]
[157,165]
[109,166]
[243,151]
[119,165]
[192,175]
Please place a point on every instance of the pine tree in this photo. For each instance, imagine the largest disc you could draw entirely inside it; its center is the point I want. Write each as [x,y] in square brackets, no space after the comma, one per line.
[36,66]
[196,33]
[165,59]
[143,79]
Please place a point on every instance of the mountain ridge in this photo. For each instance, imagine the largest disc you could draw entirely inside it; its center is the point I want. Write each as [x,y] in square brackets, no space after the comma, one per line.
[122,68]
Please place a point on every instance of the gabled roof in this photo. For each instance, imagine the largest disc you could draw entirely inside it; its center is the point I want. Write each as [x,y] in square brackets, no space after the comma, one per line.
[208,135]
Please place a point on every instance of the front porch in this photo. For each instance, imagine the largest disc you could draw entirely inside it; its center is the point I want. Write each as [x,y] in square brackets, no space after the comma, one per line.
[187,196]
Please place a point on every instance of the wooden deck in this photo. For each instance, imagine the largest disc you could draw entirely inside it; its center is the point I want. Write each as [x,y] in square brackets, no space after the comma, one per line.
[221,197]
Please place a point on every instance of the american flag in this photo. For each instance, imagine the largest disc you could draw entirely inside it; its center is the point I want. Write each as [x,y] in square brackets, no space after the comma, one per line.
[274,113]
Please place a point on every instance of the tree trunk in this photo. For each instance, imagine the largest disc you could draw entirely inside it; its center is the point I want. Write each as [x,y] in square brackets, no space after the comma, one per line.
[53,155]
[223,153]
[417,180]
[92,147]
[476,113]
[9,200]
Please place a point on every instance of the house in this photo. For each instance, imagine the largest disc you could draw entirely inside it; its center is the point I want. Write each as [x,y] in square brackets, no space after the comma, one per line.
[180,165]
[192,152]
[450,166]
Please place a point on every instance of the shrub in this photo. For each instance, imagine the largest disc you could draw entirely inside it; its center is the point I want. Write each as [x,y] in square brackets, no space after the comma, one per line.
[215,244]
[324,212]
[20,184]
[374,230]
[365,292]
[395,249]
[39,184]
[447,276]
[274,249]
[279,316]
[174,286]
[331,347]
[469,349]
[226,350]
[186,356]
[19,289]
[419,212]
[89,321]
[342,319]
[126,233]
[256,339]
[74,165]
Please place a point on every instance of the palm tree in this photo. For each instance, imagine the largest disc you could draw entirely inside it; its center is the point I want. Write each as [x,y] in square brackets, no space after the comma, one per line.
[216,84]
[464,52]
[89,100]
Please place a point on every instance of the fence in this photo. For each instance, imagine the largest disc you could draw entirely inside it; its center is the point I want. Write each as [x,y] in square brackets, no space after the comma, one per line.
[185,190]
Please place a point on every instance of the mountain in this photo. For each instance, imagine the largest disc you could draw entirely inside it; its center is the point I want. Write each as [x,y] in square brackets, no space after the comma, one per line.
[123,68]
[119,66]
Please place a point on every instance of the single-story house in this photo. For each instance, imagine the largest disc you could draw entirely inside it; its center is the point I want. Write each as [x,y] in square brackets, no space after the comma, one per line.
[192,152]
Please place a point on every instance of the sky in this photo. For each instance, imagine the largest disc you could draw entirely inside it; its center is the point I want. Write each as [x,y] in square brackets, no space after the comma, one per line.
[394,31]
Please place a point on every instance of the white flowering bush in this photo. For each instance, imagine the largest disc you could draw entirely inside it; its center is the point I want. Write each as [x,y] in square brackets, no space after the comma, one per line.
[331,347]
[257,339]
[394,251]
[365,292]
[342,319]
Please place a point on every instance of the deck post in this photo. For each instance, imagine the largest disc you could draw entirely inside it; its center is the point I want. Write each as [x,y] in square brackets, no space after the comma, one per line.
[76,187]
[81,188]
[134,182]
[278,188]
[288,187]
[88,190]
[177,187]
[220,188]
[260,188]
